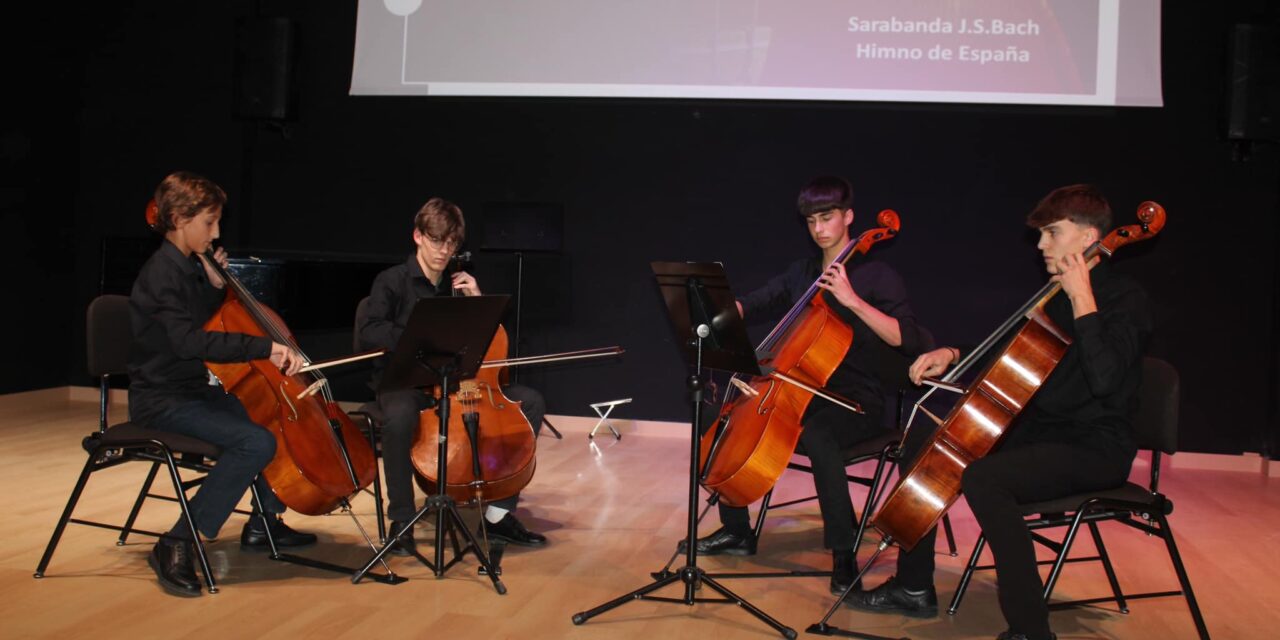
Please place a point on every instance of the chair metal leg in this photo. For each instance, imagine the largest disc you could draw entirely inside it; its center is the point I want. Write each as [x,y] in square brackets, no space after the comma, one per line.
[191,523]
[1061,560]
[377,484]
[66,515]
[968,574]
[869,504]
[1183,580]
[137,504]
[1106,566]
[764,510]
[951,536]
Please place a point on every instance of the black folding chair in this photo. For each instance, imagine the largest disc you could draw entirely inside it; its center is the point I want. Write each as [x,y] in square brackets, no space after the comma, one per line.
[370,416]
[108,337]
[1155,428]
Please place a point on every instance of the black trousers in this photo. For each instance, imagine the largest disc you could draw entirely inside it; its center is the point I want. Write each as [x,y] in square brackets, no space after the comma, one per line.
[400,411]
[828,430]
[994,486]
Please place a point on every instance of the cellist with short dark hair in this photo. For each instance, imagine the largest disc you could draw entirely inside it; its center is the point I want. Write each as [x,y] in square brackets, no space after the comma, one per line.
[871,298]
[1073,436]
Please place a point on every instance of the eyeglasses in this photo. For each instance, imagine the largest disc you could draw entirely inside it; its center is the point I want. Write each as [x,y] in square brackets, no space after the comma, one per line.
[450,244]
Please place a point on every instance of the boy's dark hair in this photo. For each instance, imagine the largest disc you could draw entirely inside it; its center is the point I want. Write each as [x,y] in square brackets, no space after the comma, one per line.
[441,220]
[825,193]
[1082,204]
[183,194]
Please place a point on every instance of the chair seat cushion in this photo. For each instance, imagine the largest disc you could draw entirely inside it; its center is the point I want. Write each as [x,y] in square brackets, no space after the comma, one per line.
[1130,492]
[374,410]
[866,450]
[177,443]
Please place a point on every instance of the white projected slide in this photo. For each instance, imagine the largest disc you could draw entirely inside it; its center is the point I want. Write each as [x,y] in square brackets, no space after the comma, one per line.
[1072,52]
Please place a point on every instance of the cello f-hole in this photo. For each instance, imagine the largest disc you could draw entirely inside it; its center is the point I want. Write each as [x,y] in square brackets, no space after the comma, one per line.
[285,394]
[762,406]
[494,401]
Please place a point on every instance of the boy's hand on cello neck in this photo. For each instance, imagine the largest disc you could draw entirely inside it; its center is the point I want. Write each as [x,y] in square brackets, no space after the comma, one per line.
[220,255]
[465,283]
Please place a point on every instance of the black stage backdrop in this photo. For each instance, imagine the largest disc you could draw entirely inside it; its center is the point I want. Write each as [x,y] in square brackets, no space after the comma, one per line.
[110,99]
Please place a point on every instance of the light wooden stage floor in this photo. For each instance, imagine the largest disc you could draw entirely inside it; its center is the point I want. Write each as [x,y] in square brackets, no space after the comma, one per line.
[613,511]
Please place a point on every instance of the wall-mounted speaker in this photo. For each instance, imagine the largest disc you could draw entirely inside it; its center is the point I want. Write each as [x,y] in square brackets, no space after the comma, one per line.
[1253,94]
[264,86]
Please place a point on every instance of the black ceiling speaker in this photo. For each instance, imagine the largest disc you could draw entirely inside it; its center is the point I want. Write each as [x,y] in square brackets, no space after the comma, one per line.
[264,69]
[1253,95]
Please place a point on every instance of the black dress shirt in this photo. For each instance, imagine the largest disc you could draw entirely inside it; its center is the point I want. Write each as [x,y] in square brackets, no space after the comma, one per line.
[391,300]
[1090,396]
[871,368]
[170,302]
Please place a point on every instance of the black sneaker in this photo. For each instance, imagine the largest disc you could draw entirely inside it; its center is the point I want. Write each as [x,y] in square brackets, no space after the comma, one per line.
[405,544]
[844,566]
[1010,635]
[724,542]
[892,597]
[254,538]
[511,530]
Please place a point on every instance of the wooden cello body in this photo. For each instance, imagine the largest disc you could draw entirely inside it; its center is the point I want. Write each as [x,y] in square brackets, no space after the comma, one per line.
[977,423]
[321,457]
[507,443]
[748,447]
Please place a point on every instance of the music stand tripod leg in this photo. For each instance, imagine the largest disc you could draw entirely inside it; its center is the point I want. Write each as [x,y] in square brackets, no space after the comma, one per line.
[445,509]
[690,574]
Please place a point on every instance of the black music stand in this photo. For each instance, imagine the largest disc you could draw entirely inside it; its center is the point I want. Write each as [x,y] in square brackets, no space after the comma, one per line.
[443,343]
[711,333]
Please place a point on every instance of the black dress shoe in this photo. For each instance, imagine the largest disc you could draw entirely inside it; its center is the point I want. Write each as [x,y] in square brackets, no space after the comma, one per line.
[172,562]
[405,545]
[844,566]
[512,531]
[724,542]
[254,538]
[1011,635]
[892,597]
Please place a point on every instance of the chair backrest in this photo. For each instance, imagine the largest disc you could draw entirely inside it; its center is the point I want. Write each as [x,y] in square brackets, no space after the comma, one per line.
[108,334]
[1155,423]
[362,314]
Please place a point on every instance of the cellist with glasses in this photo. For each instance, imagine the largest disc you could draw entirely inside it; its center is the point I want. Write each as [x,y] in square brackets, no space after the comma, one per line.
[1074,436]
[171,389]
[438,231]
[871,298]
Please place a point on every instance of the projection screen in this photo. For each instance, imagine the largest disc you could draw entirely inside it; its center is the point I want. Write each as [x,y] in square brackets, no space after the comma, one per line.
[1066,52]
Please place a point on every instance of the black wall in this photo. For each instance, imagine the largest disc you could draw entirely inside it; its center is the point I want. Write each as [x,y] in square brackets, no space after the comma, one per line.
[141,89]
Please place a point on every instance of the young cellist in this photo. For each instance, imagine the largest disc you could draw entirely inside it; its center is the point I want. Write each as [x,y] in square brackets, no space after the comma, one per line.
[1074,436]
[170,388]
[438,231]
[871,298]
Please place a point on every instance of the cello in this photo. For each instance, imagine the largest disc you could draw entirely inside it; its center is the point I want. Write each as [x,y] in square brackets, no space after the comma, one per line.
[992,400]
[749,445]
[321,457]
[500,455]
[504,451]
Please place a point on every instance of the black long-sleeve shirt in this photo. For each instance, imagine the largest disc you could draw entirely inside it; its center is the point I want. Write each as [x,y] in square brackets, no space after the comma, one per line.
[170,302]
[1090,396]
[871,366]
[391,300]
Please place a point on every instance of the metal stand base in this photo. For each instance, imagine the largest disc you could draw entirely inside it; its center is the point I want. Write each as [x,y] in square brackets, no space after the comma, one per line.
[693,578]
[447,519]
[823,629]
